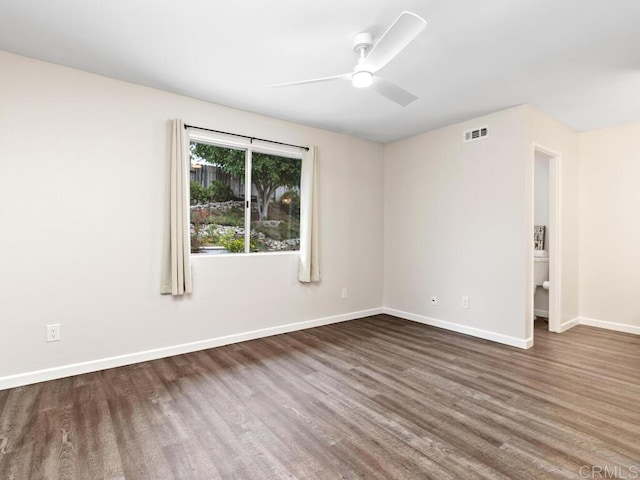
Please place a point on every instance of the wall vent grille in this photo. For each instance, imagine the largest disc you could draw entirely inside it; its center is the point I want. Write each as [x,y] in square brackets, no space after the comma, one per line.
[476,134]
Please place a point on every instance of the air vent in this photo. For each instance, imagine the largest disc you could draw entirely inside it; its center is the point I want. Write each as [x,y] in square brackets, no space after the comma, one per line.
[476,133]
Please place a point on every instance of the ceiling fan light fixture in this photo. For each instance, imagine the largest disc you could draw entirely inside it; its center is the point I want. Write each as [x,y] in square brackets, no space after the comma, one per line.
[362,79]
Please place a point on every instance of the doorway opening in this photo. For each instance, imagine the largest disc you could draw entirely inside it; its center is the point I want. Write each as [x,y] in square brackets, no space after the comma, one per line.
[545,256]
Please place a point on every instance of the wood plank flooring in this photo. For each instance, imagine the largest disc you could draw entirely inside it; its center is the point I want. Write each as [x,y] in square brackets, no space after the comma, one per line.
[376,398]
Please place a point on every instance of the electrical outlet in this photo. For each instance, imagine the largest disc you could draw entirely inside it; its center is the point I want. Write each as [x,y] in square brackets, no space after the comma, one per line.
[434,300]
[53,332]
[465,302]
[344,294]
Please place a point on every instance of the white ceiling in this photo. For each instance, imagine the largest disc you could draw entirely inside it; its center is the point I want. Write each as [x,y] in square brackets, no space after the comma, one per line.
[576,60]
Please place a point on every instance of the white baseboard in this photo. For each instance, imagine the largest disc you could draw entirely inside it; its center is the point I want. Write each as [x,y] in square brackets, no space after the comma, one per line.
[144,356]
[569,324]
[618,327]
[455,327]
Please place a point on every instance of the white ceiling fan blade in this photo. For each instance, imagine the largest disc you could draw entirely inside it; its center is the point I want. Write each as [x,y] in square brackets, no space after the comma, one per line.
[392,91]
[345,76]
[400,34]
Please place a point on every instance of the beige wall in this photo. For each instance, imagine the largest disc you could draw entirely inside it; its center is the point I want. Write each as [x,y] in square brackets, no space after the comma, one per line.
[541,190]
[459,221]
[82,178]
[455,225]
[610,227]
[546,132]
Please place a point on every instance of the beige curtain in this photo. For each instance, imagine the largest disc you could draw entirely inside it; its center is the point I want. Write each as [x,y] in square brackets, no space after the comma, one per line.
[309,267]
[176,274]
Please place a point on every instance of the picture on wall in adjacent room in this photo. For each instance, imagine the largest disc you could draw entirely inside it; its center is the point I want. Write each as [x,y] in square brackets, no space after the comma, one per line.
[538,237]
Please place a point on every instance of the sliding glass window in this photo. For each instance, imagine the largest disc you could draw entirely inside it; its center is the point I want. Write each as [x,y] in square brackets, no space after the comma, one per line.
[243,200]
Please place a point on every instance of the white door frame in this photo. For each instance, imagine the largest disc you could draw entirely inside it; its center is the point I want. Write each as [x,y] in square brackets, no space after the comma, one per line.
[554,237]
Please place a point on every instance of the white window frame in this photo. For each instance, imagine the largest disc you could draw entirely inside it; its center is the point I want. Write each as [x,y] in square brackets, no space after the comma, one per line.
[249,146]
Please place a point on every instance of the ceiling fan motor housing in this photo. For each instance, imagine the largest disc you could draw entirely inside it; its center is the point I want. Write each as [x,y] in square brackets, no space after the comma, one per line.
[362,40]
[362,76]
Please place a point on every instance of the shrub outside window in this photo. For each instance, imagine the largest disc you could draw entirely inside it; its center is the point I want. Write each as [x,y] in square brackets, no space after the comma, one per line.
[243,199]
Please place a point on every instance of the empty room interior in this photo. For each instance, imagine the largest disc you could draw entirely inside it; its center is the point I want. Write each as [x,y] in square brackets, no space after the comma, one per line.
[319,240]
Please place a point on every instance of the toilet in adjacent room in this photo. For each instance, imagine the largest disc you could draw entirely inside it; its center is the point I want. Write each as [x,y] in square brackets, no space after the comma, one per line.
[540,268]
[540,272]
[541,282]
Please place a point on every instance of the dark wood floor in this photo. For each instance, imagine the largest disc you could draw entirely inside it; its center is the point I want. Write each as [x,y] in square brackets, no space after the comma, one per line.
[367,399]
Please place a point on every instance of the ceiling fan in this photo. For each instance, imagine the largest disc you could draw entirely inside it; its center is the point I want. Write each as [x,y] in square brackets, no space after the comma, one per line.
[373,57]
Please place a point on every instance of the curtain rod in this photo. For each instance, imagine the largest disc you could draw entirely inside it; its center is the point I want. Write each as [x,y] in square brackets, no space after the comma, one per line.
[251,139]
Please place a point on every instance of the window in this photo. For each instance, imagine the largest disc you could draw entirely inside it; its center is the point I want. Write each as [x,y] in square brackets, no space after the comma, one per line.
[243,198]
